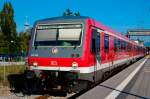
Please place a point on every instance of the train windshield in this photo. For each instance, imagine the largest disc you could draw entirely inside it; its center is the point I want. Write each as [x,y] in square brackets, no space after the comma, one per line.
[58,35]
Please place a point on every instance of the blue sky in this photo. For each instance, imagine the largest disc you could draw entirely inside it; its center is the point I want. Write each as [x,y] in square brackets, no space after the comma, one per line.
[119,15]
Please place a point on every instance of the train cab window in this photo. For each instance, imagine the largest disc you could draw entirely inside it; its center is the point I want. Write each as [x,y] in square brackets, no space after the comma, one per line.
[58,35]
[115,44]
[106,43]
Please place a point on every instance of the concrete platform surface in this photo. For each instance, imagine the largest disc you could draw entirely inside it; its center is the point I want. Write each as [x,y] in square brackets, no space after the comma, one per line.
[120,86]
[140,85]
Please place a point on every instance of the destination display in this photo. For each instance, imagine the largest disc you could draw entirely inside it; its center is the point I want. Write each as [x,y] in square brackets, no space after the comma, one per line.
[60,26]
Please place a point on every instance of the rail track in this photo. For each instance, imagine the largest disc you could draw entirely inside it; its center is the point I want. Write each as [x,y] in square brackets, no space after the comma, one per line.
[47,96]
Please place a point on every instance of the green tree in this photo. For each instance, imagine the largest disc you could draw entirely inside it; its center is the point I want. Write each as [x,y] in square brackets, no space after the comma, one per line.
[77,13]
[2,45]
[68,12]
[8,28]
[24,38]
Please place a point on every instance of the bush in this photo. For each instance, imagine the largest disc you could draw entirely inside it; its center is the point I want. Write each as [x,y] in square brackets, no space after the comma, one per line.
[8,70]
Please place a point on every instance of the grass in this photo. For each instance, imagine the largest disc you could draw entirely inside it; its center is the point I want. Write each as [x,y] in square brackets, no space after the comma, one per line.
[8,70]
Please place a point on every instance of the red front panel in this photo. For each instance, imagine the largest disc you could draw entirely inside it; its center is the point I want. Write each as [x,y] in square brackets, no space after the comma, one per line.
[87,59]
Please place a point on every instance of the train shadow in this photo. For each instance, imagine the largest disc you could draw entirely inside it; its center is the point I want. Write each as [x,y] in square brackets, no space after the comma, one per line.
[20,85]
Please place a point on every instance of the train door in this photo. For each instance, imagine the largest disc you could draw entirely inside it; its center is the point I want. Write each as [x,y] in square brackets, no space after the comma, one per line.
[96,43]
[96,47]
[98,57]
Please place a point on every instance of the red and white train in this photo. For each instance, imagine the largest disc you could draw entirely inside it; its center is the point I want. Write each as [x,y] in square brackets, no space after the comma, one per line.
[69,52]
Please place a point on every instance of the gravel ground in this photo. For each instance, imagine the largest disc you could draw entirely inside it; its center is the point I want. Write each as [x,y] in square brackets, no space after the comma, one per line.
[6,94]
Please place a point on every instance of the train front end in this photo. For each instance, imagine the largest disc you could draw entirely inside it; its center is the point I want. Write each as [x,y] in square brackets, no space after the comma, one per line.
[57,52]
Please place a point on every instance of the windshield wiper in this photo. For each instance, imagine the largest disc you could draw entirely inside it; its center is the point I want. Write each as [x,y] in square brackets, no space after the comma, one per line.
[36,45]
[75,46]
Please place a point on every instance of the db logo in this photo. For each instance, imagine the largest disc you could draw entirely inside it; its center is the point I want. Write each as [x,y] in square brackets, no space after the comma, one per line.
[54,50]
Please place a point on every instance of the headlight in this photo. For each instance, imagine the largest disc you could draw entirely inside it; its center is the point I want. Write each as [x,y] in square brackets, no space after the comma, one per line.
[35,64]
[74,65]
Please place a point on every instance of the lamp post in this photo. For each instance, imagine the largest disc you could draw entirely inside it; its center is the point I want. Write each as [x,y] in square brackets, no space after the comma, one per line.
[5,61]
[4,65]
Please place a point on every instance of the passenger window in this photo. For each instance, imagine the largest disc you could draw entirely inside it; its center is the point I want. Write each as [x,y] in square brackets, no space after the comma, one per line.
[123,45]
[129,47]
[119,45]
[106,43]
[115,44]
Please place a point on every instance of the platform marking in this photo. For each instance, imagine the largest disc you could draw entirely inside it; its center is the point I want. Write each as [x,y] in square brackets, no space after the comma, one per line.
[114,94]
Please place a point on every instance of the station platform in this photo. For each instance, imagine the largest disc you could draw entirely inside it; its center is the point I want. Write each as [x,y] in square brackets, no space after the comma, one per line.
[131,83]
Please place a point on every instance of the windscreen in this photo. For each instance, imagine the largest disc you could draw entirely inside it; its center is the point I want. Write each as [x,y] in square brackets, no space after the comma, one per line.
[58,35]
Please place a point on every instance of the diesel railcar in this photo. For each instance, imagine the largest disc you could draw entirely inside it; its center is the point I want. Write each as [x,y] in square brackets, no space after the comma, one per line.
[69,53]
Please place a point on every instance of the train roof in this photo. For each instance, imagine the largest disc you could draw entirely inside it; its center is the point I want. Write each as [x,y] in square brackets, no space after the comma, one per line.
[63,18]
[107,29]
[82,18]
